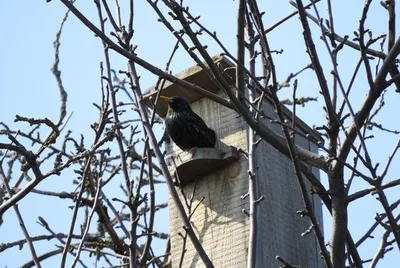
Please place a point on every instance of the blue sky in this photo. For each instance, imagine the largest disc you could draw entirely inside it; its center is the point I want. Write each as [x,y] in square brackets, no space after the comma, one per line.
[28,88]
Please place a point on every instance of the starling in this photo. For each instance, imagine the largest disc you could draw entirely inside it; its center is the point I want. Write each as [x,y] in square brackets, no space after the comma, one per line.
[185,127]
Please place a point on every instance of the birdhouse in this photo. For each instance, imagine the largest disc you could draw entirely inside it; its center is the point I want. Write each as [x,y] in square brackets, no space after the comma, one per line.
[216,181]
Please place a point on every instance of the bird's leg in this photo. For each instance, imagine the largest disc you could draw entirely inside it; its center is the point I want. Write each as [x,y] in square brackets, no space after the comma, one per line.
[180,159]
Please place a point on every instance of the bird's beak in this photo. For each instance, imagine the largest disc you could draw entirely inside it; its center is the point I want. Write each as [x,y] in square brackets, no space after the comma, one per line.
[165,98]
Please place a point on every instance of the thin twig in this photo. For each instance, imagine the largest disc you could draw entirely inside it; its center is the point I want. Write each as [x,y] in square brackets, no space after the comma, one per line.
[96,199]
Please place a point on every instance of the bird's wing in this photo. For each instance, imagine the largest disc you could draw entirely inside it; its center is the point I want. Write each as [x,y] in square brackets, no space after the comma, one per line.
[200,127]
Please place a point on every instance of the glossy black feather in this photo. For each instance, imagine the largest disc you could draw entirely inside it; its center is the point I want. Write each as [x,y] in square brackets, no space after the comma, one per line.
[185,127]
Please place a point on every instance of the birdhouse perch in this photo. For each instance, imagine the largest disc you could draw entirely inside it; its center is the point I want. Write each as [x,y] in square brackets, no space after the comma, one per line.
[202,161]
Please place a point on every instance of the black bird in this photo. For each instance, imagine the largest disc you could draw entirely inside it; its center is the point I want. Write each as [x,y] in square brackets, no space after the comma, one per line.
[185,127]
